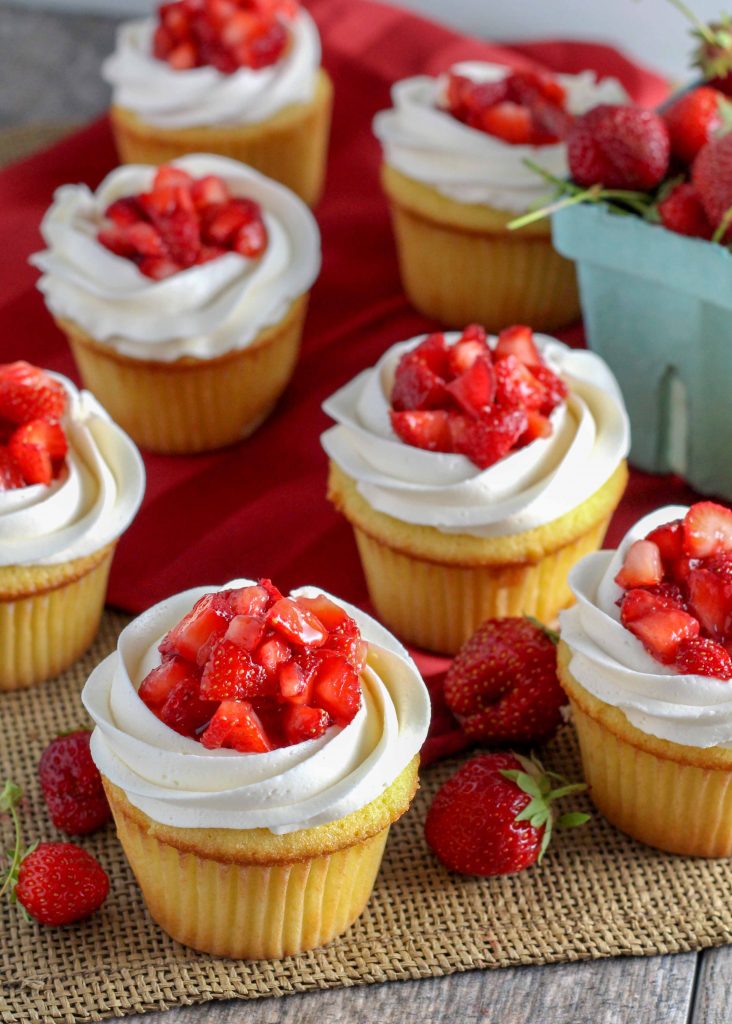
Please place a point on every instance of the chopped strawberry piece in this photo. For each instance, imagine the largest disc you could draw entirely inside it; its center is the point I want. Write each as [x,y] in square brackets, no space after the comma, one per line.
[416,386]
[537,426]
[34,447]
[338,689]
[295,686]
[209,191]
[198,631]
[10,474]
[707,530]
[345,639]
[637,603]
[184,710]
[224,222]
[168,176]
[489,439]
[642,566]
[236,725]
[518,341]
[428,429]
[516,385]
[506,120]
[475,389]
[158,684]
[434,352]
[270,588]
[245,631]
[158,267]
[28,393]
[328,612]
[273,652]
[231,674]
[669,539]
[302,723]
[703,657]
[249,600]
[125,211]
[710,597]
[464,353]
[555,388]
[661,632]
[297,624]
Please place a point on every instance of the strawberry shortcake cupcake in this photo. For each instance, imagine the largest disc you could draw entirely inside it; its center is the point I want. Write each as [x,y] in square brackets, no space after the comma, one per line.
[645,661]
[456,153]
[475,472]
[241,78]
[70,484]
[255,749]
[183,292]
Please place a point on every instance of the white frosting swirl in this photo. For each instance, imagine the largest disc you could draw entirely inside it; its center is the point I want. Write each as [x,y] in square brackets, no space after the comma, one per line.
[610,662]
[168,98]
[176,781]
[527,488]
[91,503]
[203,311]
[427,143]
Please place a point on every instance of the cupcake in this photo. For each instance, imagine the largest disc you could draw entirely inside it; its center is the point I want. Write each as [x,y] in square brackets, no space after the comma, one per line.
[233,77]
[475,473]
[255,750]
[644,659]
[182,291]
[455,175]
[70,484]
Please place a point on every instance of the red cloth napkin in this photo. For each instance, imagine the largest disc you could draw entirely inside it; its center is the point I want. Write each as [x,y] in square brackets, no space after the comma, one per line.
[260,508]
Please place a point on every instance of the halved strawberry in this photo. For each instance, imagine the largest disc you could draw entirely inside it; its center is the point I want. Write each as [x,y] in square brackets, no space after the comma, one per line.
[157,684]
[29,393]
[245,631]
[236,725]
[516,385]
[302,723]
[707,530]
[642,566]
[489,439]
[338,689]
[518,341]
[199,629]
[35,447]
[661,632]
[703,657]
[475,388]
[428,429]
[710,597]
[231,674]
[416,386]
[297,624]
[184,709]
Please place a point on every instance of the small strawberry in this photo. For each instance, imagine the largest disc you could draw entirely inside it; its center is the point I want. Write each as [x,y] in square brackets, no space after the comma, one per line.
[711,176]
[37,447]
[55,883]
[487,440]
[642,566]
[495,815]
[703,657]
[620,147]
[503,686]
[682,211]
[692,120]
[72,786]
[28,393]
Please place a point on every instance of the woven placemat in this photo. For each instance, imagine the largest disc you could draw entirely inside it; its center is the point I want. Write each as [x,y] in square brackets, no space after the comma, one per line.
[597,894]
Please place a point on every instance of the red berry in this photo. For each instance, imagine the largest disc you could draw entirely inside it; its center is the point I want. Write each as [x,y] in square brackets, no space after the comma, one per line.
[642,566]
[489,439]
[160,681]
[72,786]
[235,724]
[661,632]
[10,474]
[416,386]
[692,121]
[619,147]
[517,387]
[59,883]
[503,687]
[682,211]
[297,624]
[508,121]
[707,530]
[428,429]
[703,657]
[35,447]
[27,393]
[302,723]
[518,341]
[186,710]
[710,597]
[198,631]
[231,674]
[464,352]
[475,389]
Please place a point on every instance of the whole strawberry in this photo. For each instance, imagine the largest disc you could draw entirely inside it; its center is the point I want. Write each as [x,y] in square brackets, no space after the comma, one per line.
[503,686]
[495,816]
[682,211]
[72,786]
[59,883]
[711,176]
[620,147]
[692,120]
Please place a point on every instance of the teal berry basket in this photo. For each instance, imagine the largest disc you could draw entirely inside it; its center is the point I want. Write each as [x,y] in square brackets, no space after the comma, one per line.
[657,307]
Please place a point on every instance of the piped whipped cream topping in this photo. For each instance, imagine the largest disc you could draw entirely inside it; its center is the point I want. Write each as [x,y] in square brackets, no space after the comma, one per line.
[610,662]
[168,98]
[89,505]
[203,311]
[527,488]
[425,142]
[176,781]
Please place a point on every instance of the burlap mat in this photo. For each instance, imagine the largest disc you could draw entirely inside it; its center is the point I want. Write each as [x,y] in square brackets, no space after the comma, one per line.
[597,894]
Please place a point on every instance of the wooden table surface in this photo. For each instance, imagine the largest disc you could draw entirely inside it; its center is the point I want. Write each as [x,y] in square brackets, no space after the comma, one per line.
[49,71]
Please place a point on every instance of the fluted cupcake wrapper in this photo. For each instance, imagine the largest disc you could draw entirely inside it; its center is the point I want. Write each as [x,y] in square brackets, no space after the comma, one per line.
[438,606]
[249,911]
[191,405]
[492,277]
[673,797]
[291,146]
[43,633]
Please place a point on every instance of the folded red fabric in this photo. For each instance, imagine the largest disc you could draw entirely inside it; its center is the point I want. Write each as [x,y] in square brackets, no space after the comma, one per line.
[259,508]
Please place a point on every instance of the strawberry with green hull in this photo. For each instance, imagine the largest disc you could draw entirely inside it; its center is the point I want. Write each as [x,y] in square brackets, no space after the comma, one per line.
[677,585]
[251,670]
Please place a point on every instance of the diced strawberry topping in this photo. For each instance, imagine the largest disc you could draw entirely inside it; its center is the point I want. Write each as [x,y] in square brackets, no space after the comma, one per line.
[703,657]
[428,429]
[707,530]
[37,448]
[273,674]
[642,566]
[27,393]
[669,539]
[475,389]
[710,596]
[662,631]
[435,352]
[489,439]
[636,603]
[182,222]
[11,476]
[465,352]
[518,341]
[516,386]
[417,386]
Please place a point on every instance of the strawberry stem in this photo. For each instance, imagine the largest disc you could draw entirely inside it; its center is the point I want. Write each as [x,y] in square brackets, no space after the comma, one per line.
[10,797]
[704,30]
[723,226]
[550,633]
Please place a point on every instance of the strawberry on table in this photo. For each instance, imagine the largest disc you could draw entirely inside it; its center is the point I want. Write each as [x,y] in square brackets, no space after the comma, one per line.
[502,686]
[72,786]
[495,816]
